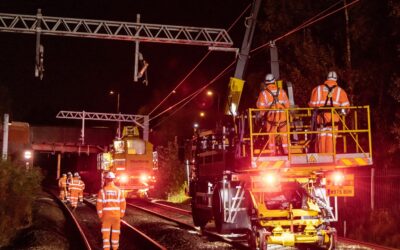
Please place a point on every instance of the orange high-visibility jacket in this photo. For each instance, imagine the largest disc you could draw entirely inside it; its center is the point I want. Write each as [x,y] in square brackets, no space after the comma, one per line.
[319,97]
[62,182]
[75,184]
[266,100]
[274,98]
[110,202]
[82,185]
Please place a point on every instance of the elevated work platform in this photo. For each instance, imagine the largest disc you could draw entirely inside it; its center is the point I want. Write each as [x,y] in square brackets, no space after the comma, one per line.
[350,136]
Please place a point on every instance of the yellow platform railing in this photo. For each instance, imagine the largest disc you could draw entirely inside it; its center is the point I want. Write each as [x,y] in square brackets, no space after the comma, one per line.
[353,129]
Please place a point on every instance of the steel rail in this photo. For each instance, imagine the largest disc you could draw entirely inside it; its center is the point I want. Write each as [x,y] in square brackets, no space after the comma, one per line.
[149,242]
[217,236]
[180,210]
[340,239]
[71,217]
[363,243]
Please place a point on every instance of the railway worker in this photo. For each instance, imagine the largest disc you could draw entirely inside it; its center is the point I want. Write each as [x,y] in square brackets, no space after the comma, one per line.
[69,179]
[111,206]
[62,185]
[74,189]
[80,194]
[328,94]
[273,97]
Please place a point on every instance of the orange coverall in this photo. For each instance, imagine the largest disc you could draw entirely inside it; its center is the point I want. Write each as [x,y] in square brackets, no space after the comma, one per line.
[80,193]
[111,207]
[62,184]
[320,98]
[74,188]
[275,98]
[69,180]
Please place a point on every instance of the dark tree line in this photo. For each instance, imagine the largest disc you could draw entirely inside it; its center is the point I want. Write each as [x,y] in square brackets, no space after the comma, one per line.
[364,50]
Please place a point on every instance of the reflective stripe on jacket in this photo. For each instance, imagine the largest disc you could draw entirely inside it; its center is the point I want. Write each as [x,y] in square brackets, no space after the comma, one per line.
[110,202]
[266,100]
[319,97]
[75,184]
[320,94]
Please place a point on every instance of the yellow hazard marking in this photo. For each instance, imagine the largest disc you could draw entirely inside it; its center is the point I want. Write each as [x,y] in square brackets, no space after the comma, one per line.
[278,164]
[264,164]
[347,162]
[360,161]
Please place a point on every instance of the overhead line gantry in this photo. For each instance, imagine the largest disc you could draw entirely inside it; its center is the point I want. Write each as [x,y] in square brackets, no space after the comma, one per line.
[215,39]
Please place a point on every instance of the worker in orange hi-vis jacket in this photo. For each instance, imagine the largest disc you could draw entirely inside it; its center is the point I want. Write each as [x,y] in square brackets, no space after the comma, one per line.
[80,194]
[69,180]
[62,185]
[328,94]
[273,97]
[111,206]
[74,188]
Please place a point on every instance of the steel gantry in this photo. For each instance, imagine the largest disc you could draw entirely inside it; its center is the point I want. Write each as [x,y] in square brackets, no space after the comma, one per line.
[100,29]
[140,120]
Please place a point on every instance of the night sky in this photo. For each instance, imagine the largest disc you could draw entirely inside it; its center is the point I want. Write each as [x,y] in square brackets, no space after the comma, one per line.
[79,72]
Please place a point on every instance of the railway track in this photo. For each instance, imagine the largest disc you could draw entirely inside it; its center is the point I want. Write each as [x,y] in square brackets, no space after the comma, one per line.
[157,208]
[183,218]
[87,228]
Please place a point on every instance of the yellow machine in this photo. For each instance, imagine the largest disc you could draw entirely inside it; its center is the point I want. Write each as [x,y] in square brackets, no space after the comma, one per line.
[133,161]
[277,199]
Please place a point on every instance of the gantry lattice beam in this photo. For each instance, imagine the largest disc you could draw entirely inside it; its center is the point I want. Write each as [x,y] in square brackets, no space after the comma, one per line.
[114,30]
[140,120]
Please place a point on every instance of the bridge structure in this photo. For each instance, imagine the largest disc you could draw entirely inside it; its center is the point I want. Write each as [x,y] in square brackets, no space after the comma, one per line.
[53,140]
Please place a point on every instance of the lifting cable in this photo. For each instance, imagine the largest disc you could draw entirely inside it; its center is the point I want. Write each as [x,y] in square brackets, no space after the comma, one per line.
[198,64]
[305,24]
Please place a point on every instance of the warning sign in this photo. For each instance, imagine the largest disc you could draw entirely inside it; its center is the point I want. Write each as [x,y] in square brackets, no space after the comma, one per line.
[312,158]
[345,188]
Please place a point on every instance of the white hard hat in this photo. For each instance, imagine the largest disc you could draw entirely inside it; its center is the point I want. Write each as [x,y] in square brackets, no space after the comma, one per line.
[64,175]
[69,173]
[76,174]
[269,78]
[332,76]
[110,175]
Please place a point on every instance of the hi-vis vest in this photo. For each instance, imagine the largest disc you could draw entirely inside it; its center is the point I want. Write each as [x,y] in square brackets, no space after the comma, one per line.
[75,185]
[110,202]
[328,95]
[274,98]
[62,182]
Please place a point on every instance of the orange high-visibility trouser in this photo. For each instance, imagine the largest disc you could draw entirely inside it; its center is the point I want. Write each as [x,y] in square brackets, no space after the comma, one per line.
[111,225]
[80,195]
[276,122]
[63,193]
[74,197]
[326,139]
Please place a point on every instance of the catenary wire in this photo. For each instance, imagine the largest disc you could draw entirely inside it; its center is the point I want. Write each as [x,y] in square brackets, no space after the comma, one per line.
[193,95]
[303,25]
[198,64]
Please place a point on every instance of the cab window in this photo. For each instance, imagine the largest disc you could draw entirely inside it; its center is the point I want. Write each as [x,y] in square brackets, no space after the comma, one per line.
[136,146]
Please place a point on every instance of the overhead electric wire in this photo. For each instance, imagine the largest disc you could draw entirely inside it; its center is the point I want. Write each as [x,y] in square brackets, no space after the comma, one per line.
[198,64]
[303,25]
[197,92]
[306,24]
[193,95]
